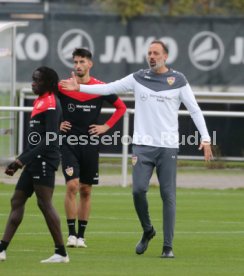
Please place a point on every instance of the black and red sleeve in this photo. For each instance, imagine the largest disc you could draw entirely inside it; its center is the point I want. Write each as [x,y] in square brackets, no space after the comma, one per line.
[120,109]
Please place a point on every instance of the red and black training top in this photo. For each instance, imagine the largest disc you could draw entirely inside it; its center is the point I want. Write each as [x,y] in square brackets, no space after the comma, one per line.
[43,128]
[82,109]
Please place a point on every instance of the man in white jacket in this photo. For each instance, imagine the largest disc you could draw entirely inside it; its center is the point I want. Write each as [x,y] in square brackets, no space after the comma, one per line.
[158,92]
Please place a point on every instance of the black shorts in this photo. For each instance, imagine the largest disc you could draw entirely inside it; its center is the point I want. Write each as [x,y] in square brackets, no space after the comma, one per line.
[36,173]
[80,161]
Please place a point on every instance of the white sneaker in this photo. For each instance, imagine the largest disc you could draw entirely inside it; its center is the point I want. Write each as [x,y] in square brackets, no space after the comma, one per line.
[167,254]
[56,258]
[72,241]
[81,243]
[3,256]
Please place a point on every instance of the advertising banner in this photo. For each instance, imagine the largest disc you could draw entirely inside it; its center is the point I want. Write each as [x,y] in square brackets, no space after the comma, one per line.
[208,51]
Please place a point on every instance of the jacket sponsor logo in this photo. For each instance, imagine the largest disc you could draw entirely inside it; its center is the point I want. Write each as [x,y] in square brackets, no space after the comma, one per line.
[71,107]
[143,96]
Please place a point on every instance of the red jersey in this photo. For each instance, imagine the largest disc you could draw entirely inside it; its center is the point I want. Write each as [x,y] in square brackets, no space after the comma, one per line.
[45,118]
[82,109]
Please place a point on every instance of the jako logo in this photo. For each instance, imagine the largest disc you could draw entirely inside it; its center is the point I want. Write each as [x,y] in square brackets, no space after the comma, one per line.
[206,51]
[74,38]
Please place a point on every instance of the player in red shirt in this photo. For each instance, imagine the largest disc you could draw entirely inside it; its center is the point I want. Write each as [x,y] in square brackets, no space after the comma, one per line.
[80,157]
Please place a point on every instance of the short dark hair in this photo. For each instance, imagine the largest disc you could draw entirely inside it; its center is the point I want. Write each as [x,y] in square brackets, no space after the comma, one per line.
[50,78]
[162,44]
[82,52]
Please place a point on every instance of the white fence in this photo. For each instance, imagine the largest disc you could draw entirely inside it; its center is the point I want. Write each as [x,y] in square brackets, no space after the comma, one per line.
[124,154]
[203,97]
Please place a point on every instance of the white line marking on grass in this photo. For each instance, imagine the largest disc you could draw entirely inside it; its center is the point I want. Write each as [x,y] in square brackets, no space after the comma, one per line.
[28,250]
[212,192]
[132,233]
[26,215]
[223,222]
[6,194]
[32,233]
[95,193]
[113,194]
[179,233]
[119,218]
[25,250]
[130,219]
[91,217]
[202,192]
[211,232]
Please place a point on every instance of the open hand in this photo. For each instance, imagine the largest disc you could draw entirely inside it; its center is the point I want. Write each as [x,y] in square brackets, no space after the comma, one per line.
[70,84]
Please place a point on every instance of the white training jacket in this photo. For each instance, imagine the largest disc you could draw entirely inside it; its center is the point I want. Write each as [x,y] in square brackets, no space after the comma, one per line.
[157,101]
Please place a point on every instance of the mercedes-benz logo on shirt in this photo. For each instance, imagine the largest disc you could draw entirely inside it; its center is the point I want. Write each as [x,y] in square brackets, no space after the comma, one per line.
[74,38]
[71,107]
[206,51]
[143,97]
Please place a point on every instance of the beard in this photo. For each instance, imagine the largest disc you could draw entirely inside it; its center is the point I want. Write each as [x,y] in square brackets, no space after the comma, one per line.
[154,66]
[80,74]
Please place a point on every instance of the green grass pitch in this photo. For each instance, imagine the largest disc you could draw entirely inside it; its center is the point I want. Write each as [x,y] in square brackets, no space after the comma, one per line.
[209,236]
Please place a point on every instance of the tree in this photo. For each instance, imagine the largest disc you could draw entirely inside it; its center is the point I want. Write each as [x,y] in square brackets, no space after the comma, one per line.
[128,9]
[131,8]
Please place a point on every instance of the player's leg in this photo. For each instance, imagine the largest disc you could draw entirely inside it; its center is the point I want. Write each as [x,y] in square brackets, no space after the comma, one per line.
[71,171]
[88,177]
[85,201]
[22,191]
[44,188]
[71,209]
[44,200]
[16,214]
[84,208]
[143,165]
[166,171]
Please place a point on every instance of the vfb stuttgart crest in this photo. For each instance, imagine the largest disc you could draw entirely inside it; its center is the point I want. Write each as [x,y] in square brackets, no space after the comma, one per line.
[69,171]
[171,80]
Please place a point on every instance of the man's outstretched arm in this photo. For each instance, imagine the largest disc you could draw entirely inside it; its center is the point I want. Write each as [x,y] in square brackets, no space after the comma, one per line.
[120,86]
